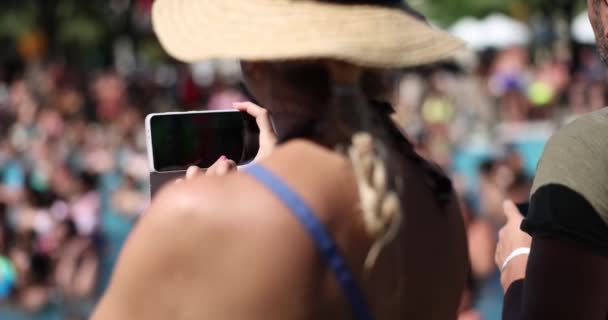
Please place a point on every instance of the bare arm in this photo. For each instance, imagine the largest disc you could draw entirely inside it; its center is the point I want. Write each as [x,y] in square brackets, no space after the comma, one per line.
[562,281]
[195,255]
[154,269]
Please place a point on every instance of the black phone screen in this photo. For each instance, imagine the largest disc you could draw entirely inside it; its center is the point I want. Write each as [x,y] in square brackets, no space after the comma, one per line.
[181,140]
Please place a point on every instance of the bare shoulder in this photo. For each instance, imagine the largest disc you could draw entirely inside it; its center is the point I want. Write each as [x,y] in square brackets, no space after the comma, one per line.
[213,207]
[207,243]
[158,262]
[323,177]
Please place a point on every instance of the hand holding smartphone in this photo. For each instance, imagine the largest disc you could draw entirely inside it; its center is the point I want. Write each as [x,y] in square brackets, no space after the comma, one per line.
[178,140]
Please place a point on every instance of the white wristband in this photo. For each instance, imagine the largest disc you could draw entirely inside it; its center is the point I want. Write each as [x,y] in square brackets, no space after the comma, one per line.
[517,252]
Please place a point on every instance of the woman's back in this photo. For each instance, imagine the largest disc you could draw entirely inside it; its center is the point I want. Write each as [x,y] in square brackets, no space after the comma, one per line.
[250,258]
[420,274]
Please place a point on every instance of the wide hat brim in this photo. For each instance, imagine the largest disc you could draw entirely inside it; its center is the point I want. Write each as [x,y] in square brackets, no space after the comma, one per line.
[366,35]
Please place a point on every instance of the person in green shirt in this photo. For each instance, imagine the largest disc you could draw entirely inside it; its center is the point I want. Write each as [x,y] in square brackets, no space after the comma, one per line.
[554,262]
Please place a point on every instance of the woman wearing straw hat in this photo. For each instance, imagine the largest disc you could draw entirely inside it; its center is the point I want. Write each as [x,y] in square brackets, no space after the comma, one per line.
[343,219]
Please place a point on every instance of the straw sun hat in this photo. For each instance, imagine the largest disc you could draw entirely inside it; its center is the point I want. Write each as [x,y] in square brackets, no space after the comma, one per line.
[374,33]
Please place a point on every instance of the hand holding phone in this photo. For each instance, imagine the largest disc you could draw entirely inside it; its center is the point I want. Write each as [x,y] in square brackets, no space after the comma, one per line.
[179,140]
[267,135]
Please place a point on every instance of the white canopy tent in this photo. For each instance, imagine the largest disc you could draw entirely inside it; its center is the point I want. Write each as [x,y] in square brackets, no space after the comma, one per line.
[495,31]
[581,29]
[470,30]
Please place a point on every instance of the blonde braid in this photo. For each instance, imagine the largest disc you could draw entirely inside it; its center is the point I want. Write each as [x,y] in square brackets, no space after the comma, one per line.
[379,203]
[380,206]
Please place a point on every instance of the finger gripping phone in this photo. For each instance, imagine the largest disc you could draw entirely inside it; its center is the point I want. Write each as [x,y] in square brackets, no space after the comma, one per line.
[177,140]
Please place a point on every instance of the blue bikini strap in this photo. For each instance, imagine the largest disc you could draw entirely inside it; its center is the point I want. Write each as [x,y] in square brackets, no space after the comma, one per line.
[323,240]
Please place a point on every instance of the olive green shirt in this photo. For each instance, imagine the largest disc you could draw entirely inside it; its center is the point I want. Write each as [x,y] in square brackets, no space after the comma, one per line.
[570,191]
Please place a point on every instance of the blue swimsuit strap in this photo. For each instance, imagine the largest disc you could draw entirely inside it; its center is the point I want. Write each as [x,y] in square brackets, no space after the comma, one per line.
[323,240]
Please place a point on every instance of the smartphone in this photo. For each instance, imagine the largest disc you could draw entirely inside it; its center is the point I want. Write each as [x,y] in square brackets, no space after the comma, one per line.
[177,140]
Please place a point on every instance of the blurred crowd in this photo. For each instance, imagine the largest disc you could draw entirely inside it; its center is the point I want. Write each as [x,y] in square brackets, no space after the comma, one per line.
[53,154]
[74,175]
[74,172]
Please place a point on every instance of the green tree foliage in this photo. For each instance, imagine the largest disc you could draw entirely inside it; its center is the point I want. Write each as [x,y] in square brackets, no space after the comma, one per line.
[447,12]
